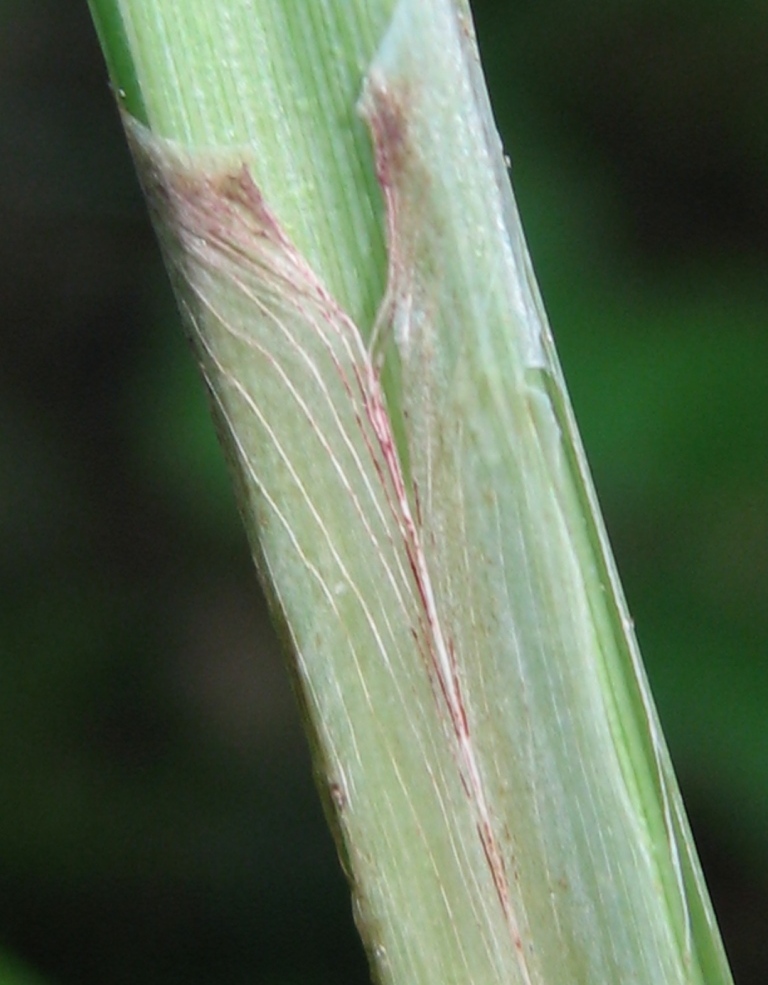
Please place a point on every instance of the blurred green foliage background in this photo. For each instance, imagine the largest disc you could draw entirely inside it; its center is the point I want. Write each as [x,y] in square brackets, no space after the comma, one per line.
[158,822]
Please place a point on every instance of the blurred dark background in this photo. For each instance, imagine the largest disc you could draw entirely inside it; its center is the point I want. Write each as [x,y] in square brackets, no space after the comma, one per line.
[158,822]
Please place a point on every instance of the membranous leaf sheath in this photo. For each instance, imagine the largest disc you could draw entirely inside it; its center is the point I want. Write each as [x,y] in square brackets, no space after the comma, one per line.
[298,400]
[599,866]
[501,792]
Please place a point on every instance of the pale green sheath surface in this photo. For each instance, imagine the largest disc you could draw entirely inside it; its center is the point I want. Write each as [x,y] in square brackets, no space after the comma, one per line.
[502,793]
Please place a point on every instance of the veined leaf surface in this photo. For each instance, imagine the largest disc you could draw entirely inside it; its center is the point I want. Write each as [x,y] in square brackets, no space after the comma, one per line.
[501,790]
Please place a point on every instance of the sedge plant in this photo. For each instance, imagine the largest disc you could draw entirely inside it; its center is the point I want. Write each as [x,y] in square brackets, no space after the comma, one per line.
[335,213]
